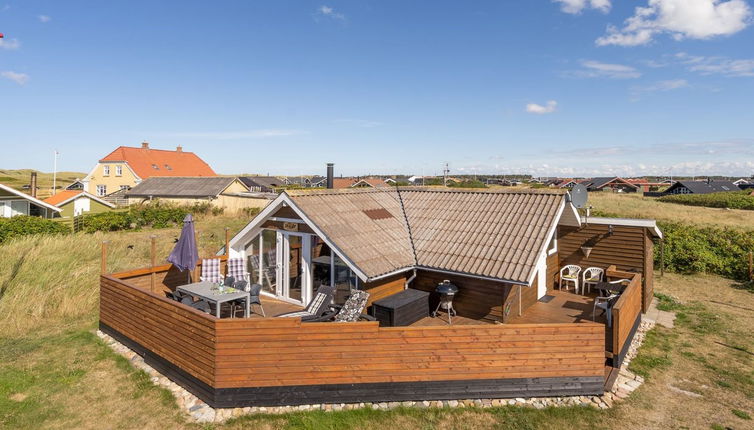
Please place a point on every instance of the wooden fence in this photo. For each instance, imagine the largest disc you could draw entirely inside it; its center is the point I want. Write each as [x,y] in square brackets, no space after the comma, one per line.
[626,313]
[276,361]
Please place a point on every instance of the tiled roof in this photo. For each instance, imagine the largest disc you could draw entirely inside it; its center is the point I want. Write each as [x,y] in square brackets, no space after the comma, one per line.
[147,162]
[491,234]
[181,187]
[61,197]
[368,226]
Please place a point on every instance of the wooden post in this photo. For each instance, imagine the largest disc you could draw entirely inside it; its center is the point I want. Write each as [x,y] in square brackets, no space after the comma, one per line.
[153,257]
[519,300]
[196,269]
[751,266]
[227,241]
[103,262]
[662,257]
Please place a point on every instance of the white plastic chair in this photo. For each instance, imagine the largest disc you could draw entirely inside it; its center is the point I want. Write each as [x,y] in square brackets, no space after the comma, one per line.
[591,276]
[570,273]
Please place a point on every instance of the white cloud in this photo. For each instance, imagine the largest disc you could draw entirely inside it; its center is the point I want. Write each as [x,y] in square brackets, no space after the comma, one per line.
[19,78]
[330,13]
[717,65]
[233,135]
[9,44]
[596,69]
[577,6]
[549,107]
[659,86]
[44,18]
[693,19]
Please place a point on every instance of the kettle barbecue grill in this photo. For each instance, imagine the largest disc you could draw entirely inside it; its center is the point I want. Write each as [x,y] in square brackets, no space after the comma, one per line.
[447,291]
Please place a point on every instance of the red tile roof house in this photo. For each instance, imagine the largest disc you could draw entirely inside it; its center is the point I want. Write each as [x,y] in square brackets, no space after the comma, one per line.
[127,166]
[516,334]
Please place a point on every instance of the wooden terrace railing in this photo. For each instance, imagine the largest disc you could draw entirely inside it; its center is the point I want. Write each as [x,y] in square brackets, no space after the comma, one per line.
[282,361]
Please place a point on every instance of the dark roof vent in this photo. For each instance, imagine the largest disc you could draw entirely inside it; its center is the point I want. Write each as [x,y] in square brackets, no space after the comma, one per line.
[376,214]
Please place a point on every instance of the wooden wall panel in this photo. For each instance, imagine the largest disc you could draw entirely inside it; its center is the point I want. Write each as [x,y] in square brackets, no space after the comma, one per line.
[648,291]
[625,312]
[629,248]
[262,353]
[553,270]
[477,298]
[181,335]
[386,287]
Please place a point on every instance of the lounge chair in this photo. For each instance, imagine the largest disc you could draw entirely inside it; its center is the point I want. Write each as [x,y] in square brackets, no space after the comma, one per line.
[237,269]
[317,308]
[351,311]
[211,270]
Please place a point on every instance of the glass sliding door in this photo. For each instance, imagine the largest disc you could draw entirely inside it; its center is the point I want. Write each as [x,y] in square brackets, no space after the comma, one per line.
[261,254]
[294,273]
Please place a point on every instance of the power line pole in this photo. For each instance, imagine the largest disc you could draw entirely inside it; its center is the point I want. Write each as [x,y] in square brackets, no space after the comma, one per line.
[445,172]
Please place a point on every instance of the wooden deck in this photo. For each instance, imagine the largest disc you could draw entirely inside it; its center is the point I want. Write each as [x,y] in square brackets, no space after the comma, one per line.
[273,307]
[565,307]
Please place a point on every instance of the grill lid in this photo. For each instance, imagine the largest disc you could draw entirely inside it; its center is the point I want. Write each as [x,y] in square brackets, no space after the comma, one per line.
[445,287]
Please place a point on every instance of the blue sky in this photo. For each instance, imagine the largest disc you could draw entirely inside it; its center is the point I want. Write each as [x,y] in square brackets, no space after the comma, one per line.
[562,87]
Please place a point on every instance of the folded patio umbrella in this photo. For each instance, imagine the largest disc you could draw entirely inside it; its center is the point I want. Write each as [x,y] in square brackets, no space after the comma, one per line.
[185,255]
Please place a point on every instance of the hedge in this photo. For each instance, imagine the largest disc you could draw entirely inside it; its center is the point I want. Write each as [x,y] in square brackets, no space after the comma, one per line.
[715,250]
[726,200]
[155,215]
[23,225]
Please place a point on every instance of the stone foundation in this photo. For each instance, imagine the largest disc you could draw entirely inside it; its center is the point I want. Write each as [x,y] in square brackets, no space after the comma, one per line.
[199,411]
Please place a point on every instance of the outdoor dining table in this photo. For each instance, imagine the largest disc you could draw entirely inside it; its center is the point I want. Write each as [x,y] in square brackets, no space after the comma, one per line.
[211,292]
[609,288]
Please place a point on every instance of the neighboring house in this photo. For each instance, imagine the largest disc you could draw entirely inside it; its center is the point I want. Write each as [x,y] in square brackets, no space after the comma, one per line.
[646,186]
[741,181]
[78,202]
[615,184]
[566,183]
[228,193]
[75,185]
[262,184]
[341,183]
[126,167]
[318,182]
[14,202]
[701,187]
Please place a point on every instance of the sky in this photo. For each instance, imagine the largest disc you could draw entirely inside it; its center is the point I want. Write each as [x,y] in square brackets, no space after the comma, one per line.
[542,87]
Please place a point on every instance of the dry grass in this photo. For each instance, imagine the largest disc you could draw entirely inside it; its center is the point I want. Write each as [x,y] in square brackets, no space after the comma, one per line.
[55,278]
[18,178]
[637,206]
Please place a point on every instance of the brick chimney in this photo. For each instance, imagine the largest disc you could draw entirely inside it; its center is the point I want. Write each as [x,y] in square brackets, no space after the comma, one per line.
[145,145]
[33,184]
[179,148]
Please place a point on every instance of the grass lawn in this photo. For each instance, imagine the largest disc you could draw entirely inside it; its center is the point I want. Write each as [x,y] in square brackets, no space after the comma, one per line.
[55,373]
[634,205]
[18,178]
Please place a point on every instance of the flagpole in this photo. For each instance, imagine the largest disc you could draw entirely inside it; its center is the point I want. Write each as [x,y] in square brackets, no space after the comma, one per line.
[54,172]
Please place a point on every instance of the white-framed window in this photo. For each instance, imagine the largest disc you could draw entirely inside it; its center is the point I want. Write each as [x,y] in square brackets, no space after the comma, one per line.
[552,248]
[101,190]
[118,170]
[105,170]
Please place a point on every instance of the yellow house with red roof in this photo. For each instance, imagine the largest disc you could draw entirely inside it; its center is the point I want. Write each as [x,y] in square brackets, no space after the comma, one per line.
[127,166]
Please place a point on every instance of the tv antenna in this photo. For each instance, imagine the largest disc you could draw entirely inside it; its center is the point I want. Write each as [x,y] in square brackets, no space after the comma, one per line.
[445,171]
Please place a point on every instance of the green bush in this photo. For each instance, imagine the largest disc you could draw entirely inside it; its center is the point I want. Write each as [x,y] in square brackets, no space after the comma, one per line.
[23,225]
[154,215]
[728,200]
[720,251]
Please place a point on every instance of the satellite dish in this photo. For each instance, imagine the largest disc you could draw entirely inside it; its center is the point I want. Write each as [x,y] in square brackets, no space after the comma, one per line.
[579,196]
